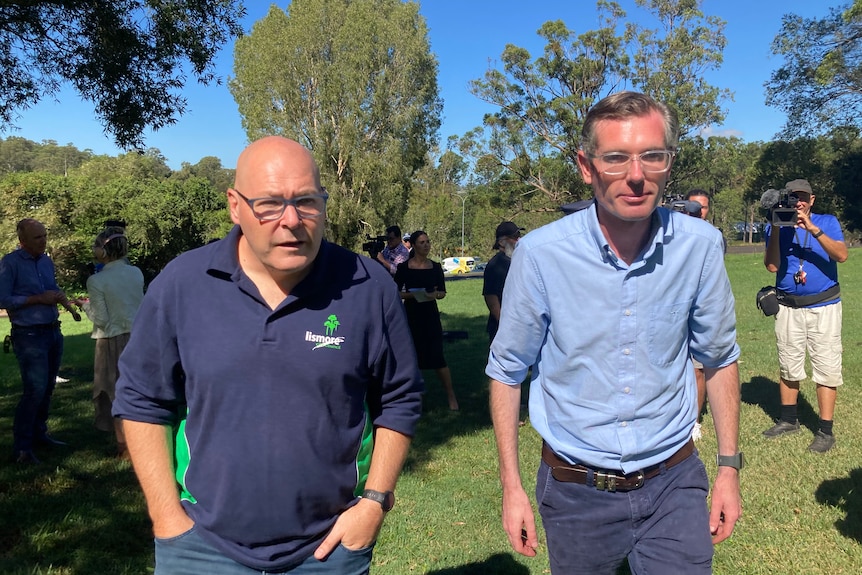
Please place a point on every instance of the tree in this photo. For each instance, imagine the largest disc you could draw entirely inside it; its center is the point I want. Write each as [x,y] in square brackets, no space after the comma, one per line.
[543,101]
[819,86]
[355,82]
[129,57]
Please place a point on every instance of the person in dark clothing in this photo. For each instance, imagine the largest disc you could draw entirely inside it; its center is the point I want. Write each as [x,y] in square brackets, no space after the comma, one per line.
[421,283]
[269,390]
[508,234]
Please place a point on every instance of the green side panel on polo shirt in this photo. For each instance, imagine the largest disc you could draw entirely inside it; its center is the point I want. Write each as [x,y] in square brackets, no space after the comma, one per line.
[182,458]
[363,458]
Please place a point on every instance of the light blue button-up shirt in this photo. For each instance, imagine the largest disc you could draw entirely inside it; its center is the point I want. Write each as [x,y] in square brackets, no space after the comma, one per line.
[610,344]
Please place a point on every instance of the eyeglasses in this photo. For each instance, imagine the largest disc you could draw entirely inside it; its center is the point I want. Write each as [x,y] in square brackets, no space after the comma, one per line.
[618,163]
[270,209]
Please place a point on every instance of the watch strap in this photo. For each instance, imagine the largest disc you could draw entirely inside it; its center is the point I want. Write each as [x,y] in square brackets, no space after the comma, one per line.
[386,499]
[818,234]
[736,461]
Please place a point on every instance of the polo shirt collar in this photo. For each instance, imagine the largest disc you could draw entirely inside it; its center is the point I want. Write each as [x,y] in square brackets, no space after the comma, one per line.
[224,263]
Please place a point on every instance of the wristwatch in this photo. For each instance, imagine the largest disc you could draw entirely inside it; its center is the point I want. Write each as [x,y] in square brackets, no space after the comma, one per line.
[735,461]
[386,499]
[818,234]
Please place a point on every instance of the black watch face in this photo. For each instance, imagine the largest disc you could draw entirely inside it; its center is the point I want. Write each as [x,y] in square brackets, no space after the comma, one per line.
[388,501]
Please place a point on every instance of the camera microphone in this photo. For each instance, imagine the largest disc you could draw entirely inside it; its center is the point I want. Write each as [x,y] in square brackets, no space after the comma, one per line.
[769,198]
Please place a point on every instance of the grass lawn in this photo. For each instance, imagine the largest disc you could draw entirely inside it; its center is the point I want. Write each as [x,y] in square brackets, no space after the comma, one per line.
[81,511]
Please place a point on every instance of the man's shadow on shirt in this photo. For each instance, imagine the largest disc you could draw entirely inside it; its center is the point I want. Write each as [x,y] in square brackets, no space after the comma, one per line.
[845,493]
[763,392]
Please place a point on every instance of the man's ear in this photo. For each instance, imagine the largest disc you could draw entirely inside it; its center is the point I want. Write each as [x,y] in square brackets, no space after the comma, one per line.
[586,167]
[233,205]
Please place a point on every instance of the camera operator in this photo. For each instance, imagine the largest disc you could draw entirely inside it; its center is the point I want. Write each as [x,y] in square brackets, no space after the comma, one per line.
[805,260]
[395,252]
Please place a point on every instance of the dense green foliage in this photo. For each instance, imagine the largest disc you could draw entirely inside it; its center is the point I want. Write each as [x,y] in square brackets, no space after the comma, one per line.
[819,86]
[359,90]
[166,212]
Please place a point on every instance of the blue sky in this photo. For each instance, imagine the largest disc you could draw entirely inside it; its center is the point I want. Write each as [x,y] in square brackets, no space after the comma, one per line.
[465,35]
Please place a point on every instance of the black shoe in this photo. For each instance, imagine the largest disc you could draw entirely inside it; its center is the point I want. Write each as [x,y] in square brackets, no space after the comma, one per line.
[822,443]
[781,428]
[26,456]
[49,441]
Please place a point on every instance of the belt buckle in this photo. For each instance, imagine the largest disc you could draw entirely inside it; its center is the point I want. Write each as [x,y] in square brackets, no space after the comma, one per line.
[606,481]
[640,480]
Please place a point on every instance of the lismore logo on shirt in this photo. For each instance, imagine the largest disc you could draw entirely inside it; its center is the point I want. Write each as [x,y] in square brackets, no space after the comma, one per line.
[328,339]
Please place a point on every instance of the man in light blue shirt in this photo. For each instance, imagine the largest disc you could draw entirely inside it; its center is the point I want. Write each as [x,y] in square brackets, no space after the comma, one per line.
[608,306]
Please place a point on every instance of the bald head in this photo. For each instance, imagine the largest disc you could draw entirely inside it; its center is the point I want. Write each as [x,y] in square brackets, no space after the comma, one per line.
[275,155]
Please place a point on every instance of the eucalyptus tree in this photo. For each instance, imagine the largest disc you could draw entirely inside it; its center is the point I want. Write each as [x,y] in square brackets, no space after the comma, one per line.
[355,82]
[543,101]
[819,86]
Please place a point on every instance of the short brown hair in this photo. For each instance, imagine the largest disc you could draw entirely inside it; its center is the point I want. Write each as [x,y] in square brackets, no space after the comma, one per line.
[623,105]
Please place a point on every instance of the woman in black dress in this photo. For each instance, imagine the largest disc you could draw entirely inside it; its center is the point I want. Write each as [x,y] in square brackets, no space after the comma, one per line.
[421,284]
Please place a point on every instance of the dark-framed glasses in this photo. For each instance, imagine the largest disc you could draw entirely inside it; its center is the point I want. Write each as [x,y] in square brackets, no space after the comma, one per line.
[618,163]
[269,209]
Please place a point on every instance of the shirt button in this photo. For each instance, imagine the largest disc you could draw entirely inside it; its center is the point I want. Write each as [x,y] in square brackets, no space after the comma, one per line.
[628,312]
[624,424]
[627,390]
[627,351]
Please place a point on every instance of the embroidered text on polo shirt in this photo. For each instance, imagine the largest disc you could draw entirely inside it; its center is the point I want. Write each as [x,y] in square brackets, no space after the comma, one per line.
[328,340]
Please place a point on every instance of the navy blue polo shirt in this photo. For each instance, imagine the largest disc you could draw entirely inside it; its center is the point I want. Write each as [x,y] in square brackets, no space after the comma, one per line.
[272,409]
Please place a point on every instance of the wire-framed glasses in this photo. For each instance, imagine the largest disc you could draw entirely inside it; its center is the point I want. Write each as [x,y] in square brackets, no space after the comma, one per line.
[269,209]
[618,163]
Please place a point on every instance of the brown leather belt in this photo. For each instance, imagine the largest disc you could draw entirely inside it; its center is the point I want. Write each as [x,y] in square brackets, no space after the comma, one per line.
[604,480]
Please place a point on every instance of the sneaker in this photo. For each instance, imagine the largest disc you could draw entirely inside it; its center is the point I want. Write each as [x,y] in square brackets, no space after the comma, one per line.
[782,428]
[696,433]
[822,443]
[62,380]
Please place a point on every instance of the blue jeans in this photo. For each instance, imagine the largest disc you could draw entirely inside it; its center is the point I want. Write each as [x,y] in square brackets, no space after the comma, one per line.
[189,554]
[39,351]
[663,527]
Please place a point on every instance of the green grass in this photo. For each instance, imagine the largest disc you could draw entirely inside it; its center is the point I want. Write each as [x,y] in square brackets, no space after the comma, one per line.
[81,512]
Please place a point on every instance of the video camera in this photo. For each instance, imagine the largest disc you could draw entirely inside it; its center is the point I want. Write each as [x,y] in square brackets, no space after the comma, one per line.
[780,206]
[678,203]
[374,245]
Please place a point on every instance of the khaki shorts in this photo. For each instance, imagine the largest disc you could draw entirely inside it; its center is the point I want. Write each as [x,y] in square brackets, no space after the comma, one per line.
[817,331]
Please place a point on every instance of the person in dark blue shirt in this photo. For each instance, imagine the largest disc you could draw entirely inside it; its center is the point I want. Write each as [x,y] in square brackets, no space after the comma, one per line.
[269,390]
[29,294]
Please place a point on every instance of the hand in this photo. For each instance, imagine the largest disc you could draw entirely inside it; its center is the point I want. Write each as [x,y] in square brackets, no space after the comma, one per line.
[172,526]
[726,505]
[356,528]
[803,221]
[50,297]
[75,315]
[519,523]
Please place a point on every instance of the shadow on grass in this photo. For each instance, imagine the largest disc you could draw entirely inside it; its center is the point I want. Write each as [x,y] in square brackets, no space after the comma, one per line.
[80,511]
[466,359]
[763,392]
[499,564]
[846,494]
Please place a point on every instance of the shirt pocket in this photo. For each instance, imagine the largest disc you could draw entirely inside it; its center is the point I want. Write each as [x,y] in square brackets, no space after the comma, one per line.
[668,329]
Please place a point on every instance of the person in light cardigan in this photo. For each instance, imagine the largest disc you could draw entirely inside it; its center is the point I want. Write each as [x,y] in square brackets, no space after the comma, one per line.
[115,294]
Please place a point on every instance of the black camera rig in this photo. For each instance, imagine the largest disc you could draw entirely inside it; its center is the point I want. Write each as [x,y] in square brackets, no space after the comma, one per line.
[374,245]
[780,206]
[678,203]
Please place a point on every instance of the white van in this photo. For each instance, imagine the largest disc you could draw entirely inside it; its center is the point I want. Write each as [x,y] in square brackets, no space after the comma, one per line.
[459,265]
